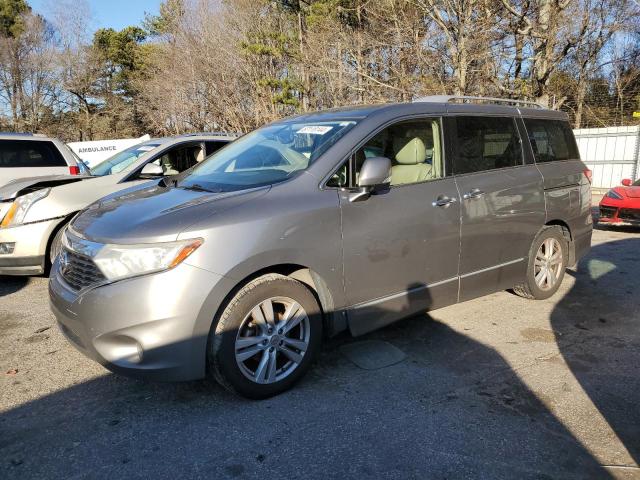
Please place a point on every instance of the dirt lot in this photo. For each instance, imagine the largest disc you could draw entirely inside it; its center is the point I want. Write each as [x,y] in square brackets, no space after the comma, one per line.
[499,387]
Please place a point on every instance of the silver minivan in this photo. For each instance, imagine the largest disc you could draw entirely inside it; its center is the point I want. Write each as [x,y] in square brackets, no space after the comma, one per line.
[346,219]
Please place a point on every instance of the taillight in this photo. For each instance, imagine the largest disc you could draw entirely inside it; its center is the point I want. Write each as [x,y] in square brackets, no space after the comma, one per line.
[588,173]
[74,170]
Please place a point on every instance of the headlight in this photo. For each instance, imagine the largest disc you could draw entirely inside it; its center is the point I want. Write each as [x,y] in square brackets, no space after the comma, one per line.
[615,195]
[121,261]
[21,205]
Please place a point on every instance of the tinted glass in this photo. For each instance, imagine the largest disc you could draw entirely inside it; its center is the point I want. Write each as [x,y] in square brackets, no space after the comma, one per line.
[213,146]
[26,154]
[486,143]
[268,155]
[179,159]
[551,140]
[121,160]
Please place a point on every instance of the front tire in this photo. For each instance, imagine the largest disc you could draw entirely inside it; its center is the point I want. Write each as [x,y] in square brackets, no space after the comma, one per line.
[547,263]
[56,244]
[266,338]
[55,247]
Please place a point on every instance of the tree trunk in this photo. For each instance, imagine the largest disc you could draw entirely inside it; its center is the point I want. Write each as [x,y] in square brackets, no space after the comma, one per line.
[306,88]
[580,96]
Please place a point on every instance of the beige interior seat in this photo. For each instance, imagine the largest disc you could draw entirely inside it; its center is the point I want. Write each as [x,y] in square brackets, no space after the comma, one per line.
[411,154]
[200,155]
[167,167]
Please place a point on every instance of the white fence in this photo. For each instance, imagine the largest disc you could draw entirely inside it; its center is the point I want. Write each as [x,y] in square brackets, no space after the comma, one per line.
[611,153]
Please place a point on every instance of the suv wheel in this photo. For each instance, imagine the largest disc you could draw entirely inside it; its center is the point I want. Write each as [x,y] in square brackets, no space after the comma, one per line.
[55,247]
[266,338]
[547,263]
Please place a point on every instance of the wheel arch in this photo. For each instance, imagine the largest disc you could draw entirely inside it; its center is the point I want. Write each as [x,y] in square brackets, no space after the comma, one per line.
[52,235]
[566,232]
[333,322]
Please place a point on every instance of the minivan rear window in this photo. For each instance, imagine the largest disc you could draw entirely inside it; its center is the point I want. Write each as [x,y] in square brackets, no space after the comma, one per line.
[27,154]
[486,143]
[551,140]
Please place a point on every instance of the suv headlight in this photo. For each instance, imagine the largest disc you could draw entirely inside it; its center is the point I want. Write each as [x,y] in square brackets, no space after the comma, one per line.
[121,261]
[21,205]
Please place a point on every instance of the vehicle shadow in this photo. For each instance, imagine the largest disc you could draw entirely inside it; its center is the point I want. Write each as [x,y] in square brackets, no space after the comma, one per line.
[597,328]
[453,408]
[9,285]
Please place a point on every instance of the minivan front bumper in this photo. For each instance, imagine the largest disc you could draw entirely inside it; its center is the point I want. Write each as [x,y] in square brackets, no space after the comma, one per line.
[140,327]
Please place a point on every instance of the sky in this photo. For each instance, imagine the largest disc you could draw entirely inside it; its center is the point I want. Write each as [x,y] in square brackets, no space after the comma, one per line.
[115,14]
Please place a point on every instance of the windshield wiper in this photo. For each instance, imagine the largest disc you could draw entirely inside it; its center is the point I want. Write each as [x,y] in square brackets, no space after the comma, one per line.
[168,182]
[196,187]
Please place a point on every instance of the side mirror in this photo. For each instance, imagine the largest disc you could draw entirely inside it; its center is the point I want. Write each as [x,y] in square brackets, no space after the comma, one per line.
[374,174]
[627,182]
[152,170]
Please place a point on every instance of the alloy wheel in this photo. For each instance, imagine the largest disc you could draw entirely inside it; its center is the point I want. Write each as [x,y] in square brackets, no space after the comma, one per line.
[272,340]
[548,264]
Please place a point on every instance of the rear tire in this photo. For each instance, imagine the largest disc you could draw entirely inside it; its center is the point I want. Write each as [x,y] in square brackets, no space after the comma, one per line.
[547,263]
[266,338]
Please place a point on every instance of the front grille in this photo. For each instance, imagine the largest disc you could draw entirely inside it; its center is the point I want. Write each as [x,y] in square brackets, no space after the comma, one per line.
[78,271]
[630,214]
[607,212]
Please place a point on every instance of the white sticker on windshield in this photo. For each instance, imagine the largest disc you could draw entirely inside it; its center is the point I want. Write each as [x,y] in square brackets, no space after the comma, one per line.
[314,129]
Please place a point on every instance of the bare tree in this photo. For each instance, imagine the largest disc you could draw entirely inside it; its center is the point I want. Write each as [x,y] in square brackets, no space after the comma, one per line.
[27,73]
[467,28]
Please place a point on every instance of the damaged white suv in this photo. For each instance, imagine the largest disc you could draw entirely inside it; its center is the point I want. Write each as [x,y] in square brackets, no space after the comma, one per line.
[33,211]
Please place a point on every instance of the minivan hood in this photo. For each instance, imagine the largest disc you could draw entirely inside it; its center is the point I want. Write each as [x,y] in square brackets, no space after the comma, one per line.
[153,214]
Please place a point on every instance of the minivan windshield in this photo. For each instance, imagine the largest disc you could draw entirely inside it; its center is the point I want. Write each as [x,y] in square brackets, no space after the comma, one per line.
[269,155]
[121,160]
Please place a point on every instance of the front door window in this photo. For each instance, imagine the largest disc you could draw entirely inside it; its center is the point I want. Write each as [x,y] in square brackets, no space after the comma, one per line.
[414,148]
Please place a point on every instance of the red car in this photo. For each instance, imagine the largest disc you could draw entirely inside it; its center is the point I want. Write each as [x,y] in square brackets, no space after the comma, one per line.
[621,205]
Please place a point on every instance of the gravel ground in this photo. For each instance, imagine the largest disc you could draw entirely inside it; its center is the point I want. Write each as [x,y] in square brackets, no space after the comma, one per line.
[498,387]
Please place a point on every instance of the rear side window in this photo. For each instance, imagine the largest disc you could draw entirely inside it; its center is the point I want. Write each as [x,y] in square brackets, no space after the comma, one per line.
[213,146]
[27,154]
[551,140]
[486,143]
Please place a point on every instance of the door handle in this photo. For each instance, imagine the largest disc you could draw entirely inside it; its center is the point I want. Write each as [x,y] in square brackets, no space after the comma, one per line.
[474,193]
[443,201]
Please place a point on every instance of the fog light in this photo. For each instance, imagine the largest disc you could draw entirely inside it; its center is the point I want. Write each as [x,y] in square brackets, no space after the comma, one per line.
[7,248]
[119,349]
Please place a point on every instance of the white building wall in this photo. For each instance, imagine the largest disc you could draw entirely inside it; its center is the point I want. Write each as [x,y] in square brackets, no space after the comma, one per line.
[611,153]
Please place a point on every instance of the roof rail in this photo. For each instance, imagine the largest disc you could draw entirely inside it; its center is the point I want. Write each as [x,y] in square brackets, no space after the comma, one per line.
[221,134]
[465,99]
